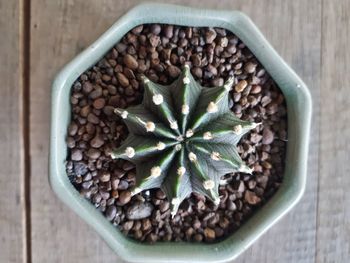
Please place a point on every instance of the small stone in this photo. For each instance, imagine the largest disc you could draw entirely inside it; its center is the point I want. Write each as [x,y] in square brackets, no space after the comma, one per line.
[154,40]
[97,141]
[173,71]
[198,237]
[87,87]
[76,155]
[123,185]
[84,112]
[124,197]
[137,30]
[93,153]
[72,129]
[209,234]
[268,136]
[80,168]
[250,67]
[155,29]
[104,176]
[130,62]
[168,31]
[217,82]
[251,198]
[128,225]
[93,118]
[139,210]
[122,79]
[241,86]
[210,35]
[111,212]
[99,103]
[256,89]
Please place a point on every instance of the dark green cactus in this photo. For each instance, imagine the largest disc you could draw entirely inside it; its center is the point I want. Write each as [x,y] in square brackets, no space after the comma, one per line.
[183,138]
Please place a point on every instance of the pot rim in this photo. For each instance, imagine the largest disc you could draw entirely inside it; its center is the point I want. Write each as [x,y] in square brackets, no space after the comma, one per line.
[299,114]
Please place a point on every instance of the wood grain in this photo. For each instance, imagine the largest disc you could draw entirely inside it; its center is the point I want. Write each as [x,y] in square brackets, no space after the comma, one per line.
[333,235]
[12,245]
[60,29]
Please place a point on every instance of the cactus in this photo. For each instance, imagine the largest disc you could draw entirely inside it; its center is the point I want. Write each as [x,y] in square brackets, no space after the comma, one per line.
[182,138]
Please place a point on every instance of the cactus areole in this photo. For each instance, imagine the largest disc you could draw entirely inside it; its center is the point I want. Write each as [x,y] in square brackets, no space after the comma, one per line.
[182,138]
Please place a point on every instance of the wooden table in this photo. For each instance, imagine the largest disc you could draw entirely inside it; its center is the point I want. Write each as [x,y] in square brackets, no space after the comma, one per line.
[38,37]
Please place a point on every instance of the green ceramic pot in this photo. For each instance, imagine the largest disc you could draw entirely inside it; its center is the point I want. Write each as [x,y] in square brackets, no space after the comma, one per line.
[299,115]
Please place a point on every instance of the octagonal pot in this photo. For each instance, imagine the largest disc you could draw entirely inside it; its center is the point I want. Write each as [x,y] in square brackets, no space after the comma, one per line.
[299,114]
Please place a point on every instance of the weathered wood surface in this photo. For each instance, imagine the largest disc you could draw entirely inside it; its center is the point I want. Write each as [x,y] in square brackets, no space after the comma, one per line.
[12,234]
[333,224]
[312,36]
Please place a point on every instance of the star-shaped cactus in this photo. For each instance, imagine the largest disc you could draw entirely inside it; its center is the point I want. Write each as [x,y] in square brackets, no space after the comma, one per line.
[183,138]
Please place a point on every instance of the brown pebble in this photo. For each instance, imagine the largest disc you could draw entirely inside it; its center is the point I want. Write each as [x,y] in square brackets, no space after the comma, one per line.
[93,153]
[198,237]
[241,86]
[72,129]
[111,212]
[93,118]
[87,87]
[130,62]
[210,35]
[97,141]
[128,225]
[250,67]
[99,103]
[256,89]
[251,198]
[76,155]
[122,79]
[104,176]
[173,71]
[124,197]
[209,234]
[268,136]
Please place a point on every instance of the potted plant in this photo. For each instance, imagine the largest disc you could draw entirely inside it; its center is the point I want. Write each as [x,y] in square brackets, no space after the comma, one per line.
[176,139]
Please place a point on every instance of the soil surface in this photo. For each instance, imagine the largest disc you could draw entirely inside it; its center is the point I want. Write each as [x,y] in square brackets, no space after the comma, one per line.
[159,52]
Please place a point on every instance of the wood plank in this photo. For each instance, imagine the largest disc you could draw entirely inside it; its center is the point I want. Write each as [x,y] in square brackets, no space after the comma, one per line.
[333,235]
[12,238]
[58,234]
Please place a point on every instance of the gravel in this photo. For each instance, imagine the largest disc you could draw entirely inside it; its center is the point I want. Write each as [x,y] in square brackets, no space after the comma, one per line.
[159,52]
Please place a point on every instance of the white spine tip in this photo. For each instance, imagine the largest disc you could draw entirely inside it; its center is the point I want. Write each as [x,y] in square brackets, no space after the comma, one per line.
[150,126]
[192,157]
[145,80]
[180,138]
[181,171]
[187,66]
[186,80]
[156,171]
[173,125]
[217,201]
[212,107]
[237,129]
[130,152]
[189,133]
[160,146]
[136,191]
[185,109]
[207,136]
[178,147]
[215,156]
[208,184]
[175,201]
[157,99]
[124,114]
[245,169]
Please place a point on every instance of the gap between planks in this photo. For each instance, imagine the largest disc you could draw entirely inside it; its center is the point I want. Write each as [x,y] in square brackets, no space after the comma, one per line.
[24,104]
